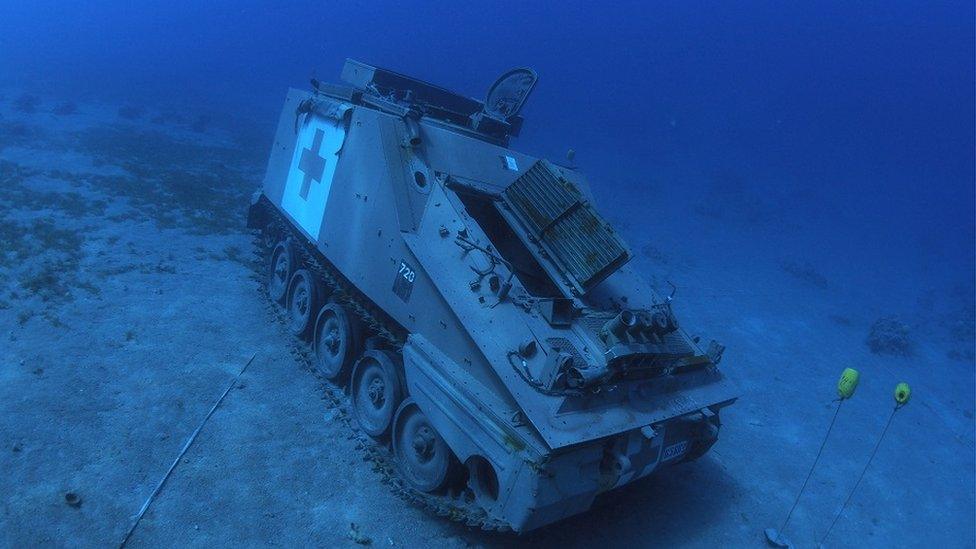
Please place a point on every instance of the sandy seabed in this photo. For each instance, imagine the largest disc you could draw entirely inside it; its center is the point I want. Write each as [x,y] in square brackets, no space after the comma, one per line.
[130,298]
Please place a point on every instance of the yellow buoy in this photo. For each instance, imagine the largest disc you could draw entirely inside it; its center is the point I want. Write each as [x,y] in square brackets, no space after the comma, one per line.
[847,383]
[902,393]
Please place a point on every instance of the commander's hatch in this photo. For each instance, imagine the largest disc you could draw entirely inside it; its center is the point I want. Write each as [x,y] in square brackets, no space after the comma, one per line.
[504,101]
[569,239]
[498,117]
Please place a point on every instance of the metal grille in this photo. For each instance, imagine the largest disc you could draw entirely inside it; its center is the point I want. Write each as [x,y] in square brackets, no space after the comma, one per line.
[565,346]
[593,324]
[677,344]
[555,213]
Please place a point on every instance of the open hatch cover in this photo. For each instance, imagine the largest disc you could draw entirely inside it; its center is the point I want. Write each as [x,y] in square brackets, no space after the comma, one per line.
[507,95]
[581,246]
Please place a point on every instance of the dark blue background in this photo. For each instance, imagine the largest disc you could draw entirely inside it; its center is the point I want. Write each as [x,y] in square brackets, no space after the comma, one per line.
[866,109]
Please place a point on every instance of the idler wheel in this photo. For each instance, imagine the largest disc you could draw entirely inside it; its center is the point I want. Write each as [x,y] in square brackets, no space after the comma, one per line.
[303,298]
[423,458]
[376,391]
[337,341]
[281,269]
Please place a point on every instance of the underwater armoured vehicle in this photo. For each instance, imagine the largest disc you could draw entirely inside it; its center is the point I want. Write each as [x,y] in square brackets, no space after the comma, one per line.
[498,351]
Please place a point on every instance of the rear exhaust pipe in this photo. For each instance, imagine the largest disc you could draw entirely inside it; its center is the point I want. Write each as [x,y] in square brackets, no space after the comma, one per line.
[641,326]
[659,324]
[620,324]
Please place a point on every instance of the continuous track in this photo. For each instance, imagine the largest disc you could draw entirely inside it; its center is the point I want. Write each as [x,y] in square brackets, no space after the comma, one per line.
[458,506]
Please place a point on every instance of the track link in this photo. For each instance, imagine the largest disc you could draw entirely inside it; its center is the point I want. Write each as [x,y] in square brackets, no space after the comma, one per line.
[458,507]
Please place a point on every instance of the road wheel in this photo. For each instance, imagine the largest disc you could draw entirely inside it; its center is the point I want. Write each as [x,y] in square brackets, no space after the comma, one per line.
[423,458]
[303,298]
[376,391]
[282,267]
[337,342]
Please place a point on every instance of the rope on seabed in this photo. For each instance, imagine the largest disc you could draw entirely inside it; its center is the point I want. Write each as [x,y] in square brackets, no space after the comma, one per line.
[814,466]
[189,441]
[860,478]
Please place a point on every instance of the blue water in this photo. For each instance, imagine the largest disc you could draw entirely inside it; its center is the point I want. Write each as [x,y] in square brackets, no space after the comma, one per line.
[864,110]
[833,134]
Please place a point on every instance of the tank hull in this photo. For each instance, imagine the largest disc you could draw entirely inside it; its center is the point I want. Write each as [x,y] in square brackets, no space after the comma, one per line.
[391,210]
